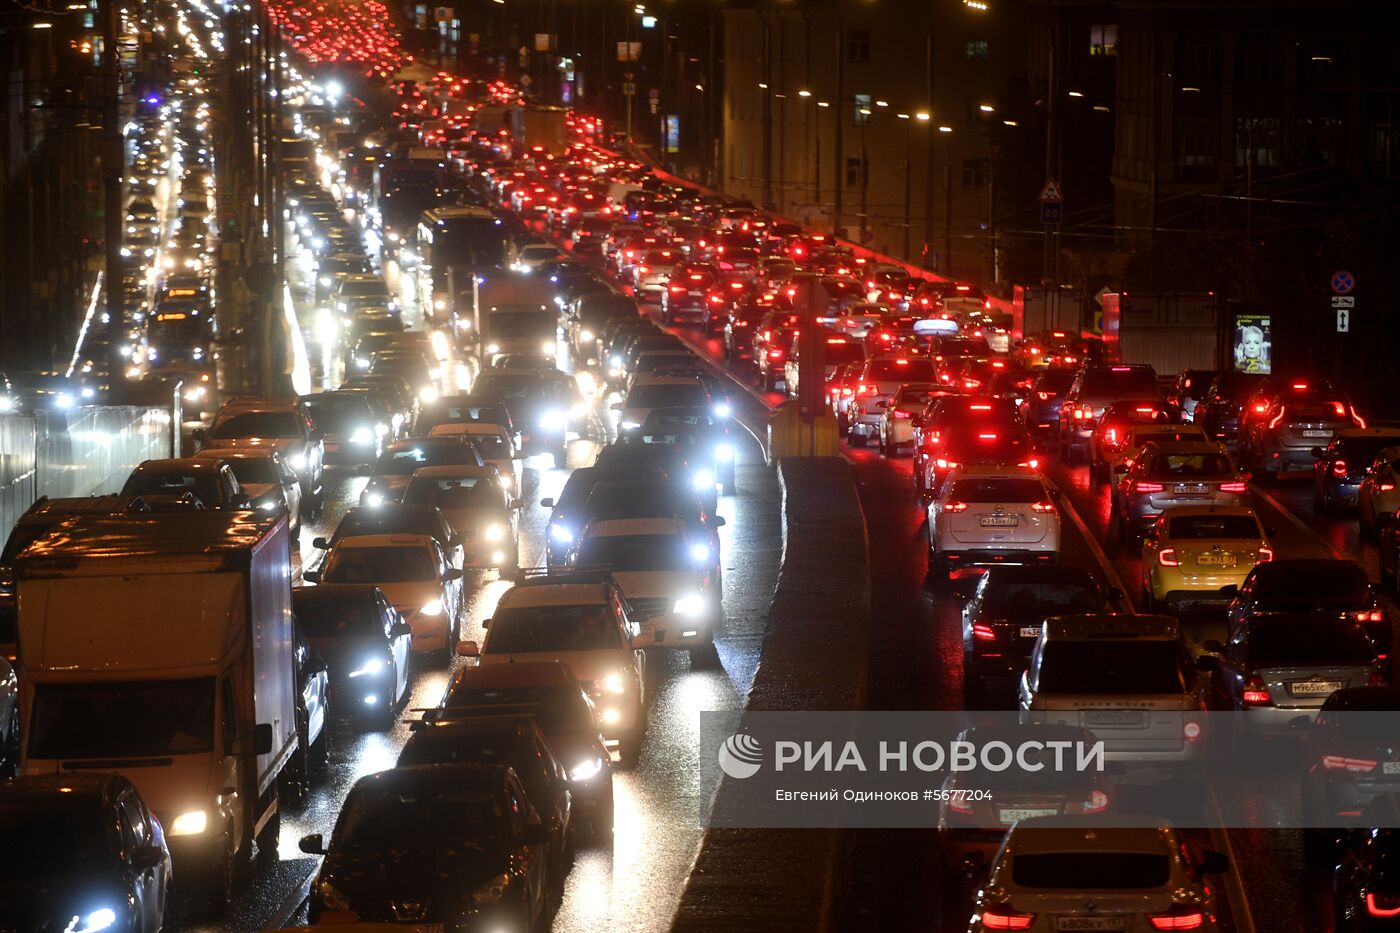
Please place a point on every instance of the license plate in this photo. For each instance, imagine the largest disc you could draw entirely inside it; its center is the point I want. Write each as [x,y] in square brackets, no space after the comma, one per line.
[1317,433]
[1000,521]
[1011,815]
[1215,560]
[1030,631]
[1113,717]
[1314,688]
[1091,923]
[1190,489]
[1390,767]
[695,293]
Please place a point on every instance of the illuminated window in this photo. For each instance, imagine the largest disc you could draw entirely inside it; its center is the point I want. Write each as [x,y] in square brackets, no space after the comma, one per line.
[1103,40]
[976,50]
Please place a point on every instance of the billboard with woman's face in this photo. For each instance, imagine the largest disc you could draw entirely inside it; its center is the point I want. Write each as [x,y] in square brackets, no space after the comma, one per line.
[1254,344]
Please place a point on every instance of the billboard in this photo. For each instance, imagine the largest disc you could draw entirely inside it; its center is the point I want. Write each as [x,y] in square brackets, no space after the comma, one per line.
[1254,343]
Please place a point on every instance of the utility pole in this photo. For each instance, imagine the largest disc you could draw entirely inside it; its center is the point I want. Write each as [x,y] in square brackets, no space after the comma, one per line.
[946,261]
[837,223]
[112,162]
[767,110]
[928,141]
[1051,167]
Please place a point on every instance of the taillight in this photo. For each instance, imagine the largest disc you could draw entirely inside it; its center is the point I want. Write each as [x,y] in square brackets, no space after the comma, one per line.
[1140,486]
[775,354]
[1377,679]
[1181,917]
[1382,905]
[1002,917]
[1097,803]
[1233,487]
[1042,506]
[1273,423]
[1167,557]
[1339,468]
[1369,615]
[1360,421]
[864,389]
[1385,486]
[1264,555]
[1343,763]
[901,413]
[953,506]
[1256,693]
[942,464]
[960,804]
[1044,396]
[983,633]
[677,289]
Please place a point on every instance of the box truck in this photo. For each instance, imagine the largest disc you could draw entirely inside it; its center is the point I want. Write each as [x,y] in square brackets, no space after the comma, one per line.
[503,312]
[160,646]
[1172,331]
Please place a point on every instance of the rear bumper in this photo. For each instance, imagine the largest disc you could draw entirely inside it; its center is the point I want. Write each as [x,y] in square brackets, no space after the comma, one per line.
[1142,511]
[1341,492]
[979,556]
[1276,458]
[1273,721]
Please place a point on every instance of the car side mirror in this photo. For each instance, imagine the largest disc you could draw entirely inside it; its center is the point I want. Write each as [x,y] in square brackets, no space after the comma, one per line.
[312,844]
[400,629]
[147,857]
[1213,646]
[262,738]
[452,574]
[468,649]
[311,576]
[321,544]
[1230,590]
[719,521]
[1213,863]
[537,834]
[547,502]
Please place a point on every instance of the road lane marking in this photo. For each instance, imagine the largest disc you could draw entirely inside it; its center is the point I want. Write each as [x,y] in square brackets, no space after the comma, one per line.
[1295,520]
[1094,548]
[1239,902]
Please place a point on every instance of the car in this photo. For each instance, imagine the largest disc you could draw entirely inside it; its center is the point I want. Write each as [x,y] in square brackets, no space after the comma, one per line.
[465,409]
[365,644]
[1277,670]
[1365,891]
[1003,615]
[1112,428]
[1326,585]
[667,576]
[545,407]
[1218,412]
[478,508]
[567,516]
[1340,466]
[360,289]
[878,383]
[352,432]
[1067,873]
[469,847]
[313,717]
[280,424]
[991,515]
[1128,678]
[413,574]
[1042,407]
[970,443]
[94,857]
[679,450]
[267,480]
[211,480]
[1376,498]
[709,429]
[1119,446]
[1094,389]
[1169,474]
[896,428]
[515,742]
[1195,554]
[395,467]
[1189,389]
[495,445]
[648,392]
[397,518]
[590,315]
[955,408]
[1352,760]
[584,621]
[1299,417]
[971,827]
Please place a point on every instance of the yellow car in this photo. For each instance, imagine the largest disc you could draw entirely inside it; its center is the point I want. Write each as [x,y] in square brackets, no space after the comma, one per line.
[1193,551]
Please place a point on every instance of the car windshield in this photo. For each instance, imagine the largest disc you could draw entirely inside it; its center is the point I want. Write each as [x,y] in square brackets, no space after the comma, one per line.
[62,837]
[351,617]
[552,628]
[140,719]
[205,486]
[901,370]
[1213,526]
[340,414]
[254,470]
[1112,667]
[666,396]
[1360,451]
[1038,601]
[492,446]
[434,819]
[456,492]
[555,709]
[258,424]
[1117,871]
[389,520]
[407,461]
[1144,435]
[1119,383]
[1203,464]
[999,490]
[1308,643]
[381,565]
[636,553]
[362,288]
[506,385]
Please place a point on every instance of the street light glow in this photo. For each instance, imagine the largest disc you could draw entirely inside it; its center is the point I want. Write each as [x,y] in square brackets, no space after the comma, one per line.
[922,115]
[945,129]
[823,103]
[882,103]
[1101,108]
[1008,122]
[987,108]
[1080,94]
[981,6]
[804,93]
[902,116]
[762,86]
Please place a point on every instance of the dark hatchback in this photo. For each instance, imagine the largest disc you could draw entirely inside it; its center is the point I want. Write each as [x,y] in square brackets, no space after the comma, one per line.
[1341,465]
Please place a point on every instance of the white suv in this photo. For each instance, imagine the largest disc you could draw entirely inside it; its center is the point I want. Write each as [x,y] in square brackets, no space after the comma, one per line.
[668,578]
[992,515]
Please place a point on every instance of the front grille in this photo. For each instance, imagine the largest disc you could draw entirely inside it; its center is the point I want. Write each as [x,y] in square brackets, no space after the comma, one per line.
[651,606]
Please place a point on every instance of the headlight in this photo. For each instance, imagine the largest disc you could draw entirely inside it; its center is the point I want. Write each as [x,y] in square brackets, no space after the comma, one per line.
[268,505]
[432,608]
[189,824]
[393,237]
[297,461]
[195,394]
[493,348]
[439,304]
[699,552]
[427,394]
[613,683]
[492,891]
[325,281]
[374,499]
[723,410]
[97,920]
[585,336]
[553,420]
[361,362]
[724,452]
[64,400]
[362,436]
[629,425]
[372,666]
[547,348]
[561,534]
[6,403]
[611,717]
[88,392]
[494,532]
[703,480]
[586,770]
[691,604]
[615,361]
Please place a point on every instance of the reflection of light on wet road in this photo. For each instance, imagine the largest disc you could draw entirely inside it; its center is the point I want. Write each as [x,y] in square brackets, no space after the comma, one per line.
[378,752]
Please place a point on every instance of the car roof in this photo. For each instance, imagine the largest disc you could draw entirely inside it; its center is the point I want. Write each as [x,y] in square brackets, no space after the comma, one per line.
[48,511]
[649,380]
[1112,626]
[180,465]
[456,776]
[547,593]
[622,527]
[995,471]
[1392,430]
[238,453]
[333,591]
[1306,566]
[1365,698]
[1183,447]
[385,541]
[260,404]
[1051,834]
[454,470]
[1038,573]
[20,794]
[516,674]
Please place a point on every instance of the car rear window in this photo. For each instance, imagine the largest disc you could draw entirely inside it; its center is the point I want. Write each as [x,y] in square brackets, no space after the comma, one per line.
[1193,465]
[1115,383]
[1112,667]
[839,352]
[1058,380]
[1315,411]
[1214,526]
[1308,643]
[902,370]
[1362,450]
[1110,870]
[1342,585]
[986,446]
[667,396]
[552,629]
[1037,601]
[998,490]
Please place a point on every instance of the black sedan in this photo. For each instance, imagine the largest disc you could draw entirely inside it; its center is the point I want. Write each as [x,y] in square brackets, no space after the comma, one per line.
[365,644]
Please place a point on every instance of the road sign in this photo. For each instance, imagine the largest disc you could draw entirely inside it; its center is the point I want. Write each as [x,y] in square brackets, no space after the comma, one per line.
[1343,282]
[1343,320]
[629,51]
[1051,192]
[628,89]
[526,80]
[1051,211]
[1344,301]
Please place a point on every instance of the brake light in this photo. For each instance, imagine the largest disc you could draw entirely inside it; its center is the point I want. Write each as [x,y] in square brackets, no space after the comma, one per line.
[1233,487]
[900,413]
[1260,409]
[1004,918]
[1120,369]
[643,269]
[986,437]
[1264,555]
[953,506]
[863,389]
[1031,463]
[979,408]
[901,361]
[983,633]
[775,354]
[1097,803]
[1191,731]
[1178,918]
[942,464]
[1301,386]
[1360,421]
[1277,418]
[1256,693]
[1385,486]
[1167,557]
[1381,905]
[959,804]
[716,299]
[1368,615]
[1111,436]
[1140,486]
[1044,396]
[736,286]
[1339,468]
[1343,763]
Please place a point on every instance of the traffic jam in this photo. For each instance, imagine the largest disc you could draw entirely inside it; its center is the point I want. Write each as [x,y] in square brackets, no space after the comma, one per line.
[426,642]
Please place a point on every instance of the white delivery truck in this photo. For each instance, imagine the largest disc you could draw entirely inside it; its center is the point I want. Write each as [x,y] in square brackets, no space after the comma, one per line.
[160,646]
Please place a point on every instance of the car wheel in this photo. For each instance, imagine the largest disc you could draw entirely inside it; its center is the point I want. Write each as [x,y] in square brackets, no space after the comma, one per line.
[601,826]
[1147,601]
[225,882]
